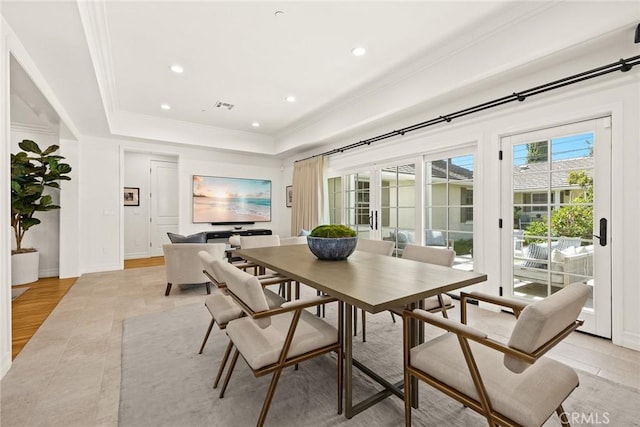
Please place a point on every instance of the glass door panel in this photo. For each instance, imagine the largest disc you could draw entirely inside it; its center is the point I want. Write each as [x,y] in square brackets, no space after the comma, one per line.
[358,203]
[448,210]
[553,176]
[397,205]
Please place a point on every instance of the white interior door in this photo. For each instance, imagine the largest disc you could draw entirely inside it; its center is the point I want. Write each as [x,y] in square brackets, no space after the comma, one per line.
[164,204]
[556,215]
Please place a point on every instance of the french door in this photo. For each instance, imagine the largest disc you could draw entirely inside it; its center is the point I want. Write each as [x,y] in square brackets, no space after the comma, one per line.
[556,210]
[380,203]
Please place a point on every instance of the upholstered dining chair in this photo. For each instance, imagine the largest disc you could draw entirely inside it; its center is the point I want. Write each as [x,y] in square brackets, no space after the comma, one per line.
[509,384]
[264,241]
[221,306]
[381,247]
[295,240]
[271,339]
[431,255]
[183,266]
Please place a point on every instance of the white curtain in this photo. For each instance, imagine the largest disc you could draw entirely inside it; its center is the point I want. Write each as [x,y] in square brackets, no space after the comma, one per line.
[308,194]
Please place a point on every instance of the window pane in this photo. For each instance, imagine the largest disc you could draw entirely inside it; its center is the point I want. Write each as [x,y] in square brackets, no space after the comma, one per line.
[448,207]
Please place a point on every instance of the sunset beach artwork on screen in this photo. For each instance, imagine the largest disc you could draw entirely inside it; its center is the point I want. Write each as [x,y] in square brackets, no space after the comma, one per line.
[230,200]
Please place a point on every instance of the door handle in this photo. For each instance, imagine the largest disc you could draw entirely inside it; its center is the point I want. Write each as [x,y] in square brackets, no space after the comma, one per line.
[371,220]
[376,221]
[603,232]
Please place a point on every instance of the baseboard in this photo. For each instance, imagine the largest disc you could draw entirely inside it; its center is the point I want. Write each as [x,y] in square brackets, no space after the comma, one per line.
[101,268]
[631,340]
[5,364]
[137,255]
[50,272]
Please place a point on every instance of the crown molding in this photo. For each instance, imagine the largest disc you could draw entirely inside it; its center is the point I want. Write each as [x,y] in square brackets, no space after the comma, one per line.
[94,21]
[24,127]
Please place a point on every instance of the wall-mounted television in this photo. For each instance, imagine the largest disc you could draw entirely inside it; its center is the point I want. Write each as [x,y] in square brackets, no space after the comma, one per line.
[224,200]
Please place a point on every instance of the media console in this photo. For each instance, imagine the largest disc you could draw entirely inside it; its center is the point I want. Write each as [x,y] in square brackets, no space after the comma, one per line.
[217,236]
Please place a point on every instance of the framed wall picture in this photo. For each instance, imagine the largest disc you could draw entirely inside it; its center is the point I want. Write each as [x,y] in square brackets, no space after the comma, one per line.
[289,196]
[131,196]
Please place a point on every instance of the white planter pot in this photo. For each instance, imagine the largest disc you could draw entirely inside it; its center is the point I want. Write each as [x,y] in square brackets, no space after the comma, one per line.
[24,268]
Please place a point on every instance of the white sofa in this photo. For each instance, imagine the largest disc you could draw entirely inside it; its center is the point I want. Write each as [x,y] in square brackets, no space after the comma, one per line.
[570,263]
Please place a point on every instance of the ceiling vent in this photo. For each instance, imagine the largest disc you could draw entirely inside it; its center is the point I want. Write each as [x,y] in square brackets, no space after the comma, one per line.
[222,104]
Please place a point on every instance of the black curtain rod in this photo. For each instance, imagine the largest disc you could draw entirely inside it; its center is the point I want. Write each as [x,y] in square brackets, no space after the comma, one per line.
[623,65]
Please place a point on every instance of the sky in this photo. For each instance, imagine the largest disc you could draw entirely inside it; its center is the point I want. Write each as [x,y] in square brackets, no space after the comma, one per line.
[566,147]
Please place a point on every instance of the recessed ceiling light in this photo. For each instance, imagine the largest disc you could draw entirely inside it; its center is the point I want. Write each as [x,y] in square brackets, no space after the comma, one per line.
[291,98]
[358,51]
[255,124]
[279,13]
[165,106]
[177,69]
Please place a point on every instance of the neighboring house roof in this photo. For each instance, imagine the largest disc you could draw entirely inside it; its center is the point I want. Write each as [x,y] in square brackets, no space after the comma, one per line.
[438,170]
[533,176]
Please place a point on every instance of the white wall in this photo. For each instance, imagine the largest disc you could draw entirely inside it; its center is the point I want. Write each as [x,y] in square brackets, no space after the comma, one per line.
[70,218]
[103,176]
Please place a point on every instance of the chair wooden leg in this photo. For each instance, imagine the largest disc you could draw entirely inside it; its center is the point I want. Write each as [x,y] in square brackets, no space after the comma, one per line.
[223,364]
[208,286]
[563,416]
[229,372]
[166,293]
[206,336]
[267,400]
[407,398]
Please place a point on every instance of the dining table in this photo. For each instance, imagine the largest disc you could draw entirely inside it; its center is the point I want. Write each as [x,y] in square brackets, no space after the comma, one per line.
[372,282]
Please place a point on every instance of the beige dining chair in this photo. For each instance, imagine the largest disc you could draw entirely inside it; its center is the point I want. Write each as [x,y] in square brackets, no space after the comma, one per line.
[380,247]
[509,384]
[183,266]
[264,241]
[271,339]
[431,255]
[221,306]
[295,240]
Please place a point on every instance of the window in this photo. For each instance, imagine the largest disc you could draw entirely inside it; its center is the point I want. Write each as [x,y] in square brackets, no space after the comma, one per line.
[448,208]
[466,196]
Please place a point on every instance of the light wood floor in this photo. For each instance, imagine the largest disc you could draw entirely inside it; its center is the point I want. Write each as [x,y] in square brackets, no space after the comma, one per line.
[32,308]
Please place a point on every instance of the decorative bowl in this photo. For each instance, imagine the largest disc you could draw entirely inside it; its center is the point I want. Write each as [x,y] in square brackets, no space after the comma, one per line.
[332,248]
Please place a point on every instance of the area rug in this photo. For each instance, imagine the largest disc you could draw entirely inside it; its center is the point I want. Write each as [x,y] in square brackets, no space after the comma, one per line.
[165,382]
[16,292]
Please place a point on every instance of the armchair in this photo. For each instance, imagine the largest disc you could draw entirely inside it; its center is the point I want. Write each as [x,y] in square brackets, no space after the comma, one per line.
[183,265]
[271,339]
[509,384]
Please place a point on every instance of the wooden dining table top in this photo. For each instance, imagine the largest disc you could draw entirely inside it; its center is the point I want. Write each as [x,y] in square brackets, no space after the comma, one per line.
[372,282]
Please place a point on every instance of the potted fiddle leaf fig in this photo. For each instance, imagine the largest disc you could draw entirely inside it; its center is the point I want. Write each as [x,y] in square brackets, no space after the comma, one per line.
[32,171]
[332,242]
